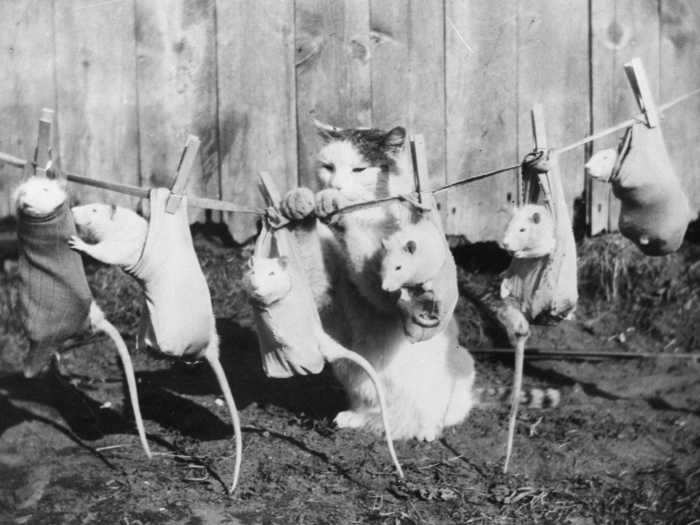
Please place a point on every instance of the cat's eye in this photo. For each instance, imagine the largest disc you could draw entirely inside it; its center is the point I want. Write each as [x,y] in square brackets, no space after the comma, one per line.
[359,170]
[329,167]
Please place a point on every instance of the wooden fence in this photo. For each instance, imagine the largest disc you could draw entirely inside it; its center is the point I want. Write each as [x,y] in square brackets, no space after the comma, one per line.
[129,79]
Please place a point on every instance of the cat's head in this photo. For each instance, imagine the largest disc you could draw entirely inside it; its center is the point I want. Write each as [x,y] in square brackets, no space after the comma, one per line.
[364,163]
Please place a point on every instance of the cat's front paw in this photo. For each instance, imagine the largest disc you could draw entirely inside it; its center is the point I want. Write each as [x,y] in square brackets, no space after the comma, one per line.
[350,419]
[329,201]
[298,204]
[77,244]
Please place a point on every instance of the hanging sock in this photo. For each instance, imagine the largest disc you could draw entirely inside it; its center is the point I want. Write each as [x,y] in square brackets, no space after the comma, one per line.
[54,293]
[655,210]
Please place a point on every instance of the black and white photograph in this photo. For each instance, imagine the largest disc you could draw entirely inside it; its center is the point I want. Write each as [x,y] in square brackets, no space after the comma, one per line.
[393,262]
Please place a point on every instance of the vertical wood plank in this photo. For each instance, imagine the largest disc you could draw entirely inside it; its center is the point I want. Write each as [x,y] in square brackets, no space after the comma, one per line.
[408,73]
[553,69]
[332,72]
[176,81]
[481,117]
[680,73]
[257,118]
[96,113]
[621,30]
[27,58]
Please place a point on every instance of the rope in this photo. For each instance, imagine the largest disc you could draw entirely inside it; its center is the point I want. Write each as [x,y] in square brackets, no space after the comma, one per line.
[214,204]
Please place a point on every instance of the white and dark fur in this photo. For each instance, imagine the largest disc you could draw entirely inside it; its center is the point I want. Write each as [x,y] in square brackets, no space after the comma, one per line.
[428,384]
[530,232]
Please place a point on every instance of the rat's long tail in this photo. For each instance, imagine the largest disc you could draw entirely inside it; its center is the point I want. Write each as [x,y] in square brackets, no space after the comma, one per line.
[102,324]
[334,351]
[517,385]
[213,360]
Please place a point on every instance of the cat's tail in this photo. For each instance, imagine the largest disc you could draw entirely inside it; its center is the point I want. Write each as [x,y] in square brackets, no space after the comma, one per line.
[489,397]
[334,351]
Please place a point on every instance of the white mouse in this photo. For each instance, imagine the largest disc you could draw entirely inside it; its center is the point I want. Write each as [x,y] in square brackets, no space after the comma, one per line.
[601,164]
[530,232]
[412,256]
[41,197]
[283,311]
[118,236]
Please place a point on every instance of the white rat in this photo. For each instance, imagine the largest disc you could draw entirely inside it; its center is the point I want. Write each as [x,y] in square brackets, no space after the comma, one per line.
[281,312]
[42,198]
[530,232]
[39,196]
[600,165]
[120,236]
[412,256]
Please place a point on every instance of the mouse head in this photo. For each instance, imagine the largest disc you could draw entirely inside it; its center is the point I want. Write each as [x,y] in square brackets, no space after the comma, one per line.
[398,261]
[39,196]
[93,220]
[530,232]
[267,280]
[600,165]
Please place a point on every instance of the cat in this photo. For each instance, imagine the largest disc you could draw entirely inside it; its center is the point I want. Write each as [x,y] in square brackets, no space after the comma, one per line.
[429,385]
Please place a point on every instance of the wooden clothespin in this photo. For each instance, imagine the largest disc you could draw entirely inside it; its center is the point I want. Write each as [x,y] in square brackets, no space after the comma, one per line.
[639,82]
[269,190]
[189,154]
[539,135]
[42,153]
[421,177]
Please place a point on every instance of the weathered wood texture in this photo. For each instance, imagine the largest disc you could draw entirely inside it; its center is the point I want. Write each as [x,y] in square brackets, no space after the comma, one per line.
[27,85]
[130,79]
[621,30]
[481,114]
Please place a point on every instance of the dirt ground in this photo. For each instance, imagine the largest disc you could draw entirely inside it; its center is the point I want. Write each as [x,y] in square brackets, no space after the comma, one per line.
[623,446]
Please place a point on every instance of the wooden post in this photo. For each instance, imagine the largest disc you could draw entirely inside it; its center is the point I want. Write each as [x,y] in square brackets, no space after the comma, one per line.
[189,154]
[42,154]
[639,82]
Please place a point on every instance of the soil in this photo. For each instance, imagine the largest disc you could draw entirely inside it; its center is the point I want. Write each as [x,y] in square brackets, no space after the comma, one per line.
[622,447]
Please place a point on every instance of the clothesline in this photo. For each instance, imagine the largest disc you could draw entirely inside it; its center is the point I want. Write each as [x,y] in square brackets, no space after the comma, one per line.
[219,205]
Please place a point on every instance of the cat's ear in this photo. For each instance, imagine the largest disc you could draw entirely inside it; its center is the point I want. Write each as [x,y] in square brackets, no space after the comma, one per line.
[326,131]
[284,261]
[536,217]
[394,139]
[410,247]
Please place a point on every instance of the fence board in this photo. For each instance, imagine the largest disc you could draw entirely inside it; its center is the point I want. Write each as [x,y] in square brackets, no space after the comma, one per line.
[621,30]
[26,44]
[257,119]
[96,94]
[553,70]
[176,83]
[332,72]
[680,73]
[408,81]
[481,114]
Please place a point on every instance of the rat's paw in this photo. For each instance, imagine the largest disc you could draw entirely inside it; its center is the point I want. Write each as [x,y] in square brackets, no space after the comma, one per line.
[428,434]
[298,204]
[329,201]
[77,244]
[350,419]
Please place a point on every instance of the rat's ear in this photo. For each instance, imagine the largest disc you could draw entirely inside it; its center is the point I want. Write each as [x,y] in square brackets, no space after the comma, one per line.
[385,244]
[284,261]
[536,217]
[251,262]
[326,131]
[112,211]
[395,138]
[410,247]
